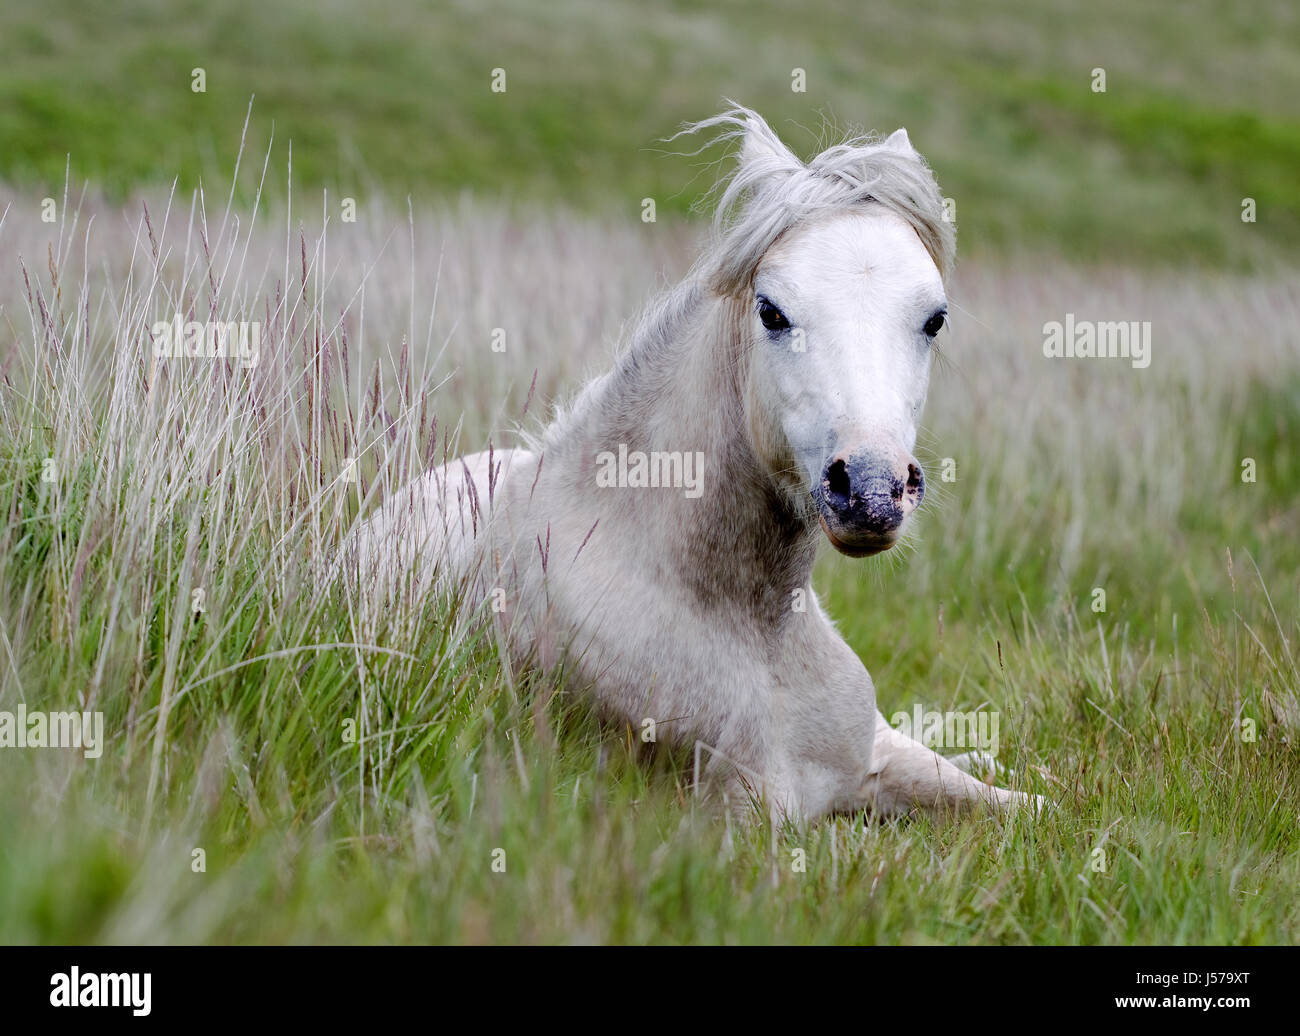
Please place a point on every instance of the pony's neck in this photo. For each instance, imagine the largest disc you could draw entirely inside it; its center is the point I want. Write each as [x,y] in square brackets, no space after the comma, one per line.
[742,543]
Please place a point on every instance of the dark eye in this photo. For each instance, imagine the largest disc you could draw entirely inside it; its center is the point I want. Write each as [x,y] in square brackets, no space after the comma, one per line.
[934,325]
[773,319]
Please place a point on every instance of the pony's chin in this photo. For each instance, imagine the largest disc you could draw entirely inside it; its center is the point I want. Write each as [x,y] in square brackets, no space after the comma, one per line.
[860,546]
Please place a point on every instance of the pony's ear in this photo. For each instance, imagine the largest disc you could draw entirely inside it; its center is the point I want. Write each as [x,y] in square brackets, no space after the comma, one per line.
[898,141]
[760,146]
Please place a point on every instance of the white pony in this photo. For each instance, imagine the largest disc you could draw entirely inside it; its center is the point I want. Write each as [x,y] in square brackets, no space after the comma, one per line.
[659,538]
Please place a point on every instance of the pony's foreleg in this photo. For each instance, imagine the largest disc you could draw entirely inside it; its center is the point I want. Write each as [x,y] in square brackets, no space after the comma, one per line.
[906,775]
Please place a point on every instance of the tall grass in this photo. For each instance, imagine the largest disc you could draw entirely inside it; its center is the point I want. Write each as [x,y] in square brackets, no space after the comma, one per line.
[348,775]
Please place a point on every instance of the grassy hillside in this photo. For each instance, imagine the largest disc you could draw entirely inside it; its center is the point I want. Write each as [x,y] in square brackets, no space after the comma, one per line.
[1199,111]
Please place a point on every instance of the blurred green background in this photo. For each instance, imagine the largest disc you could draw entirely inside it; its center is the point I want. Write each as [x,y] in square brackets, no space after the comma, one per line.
[1201,108]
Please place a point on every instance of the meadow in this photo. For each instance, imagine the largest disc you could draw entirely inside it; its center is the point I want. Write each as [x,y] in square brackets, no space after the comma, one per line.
[282,766]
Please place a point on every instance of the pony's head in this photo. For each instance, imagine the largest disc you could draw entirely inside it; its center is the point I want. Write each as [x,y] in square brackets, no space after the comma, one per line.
[834,270]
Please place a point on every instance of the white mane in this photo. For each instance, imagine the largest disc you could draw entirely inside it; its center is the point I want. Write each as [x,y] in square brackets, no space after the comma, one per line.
[772,191]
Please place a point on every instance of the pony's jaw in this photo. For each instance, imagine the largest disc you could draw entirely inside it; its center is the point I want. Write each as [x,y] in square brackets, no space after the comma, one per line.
[863,548]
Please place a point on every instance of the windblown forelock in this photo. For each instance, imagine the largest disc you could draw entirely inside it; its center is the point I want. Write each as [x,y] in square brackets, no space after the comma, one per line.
[771,192]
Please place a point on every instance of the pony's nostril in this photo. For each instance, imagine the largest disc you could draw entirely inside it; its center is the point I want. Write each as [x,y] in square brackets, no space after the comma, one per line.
[837,482]
[914,477]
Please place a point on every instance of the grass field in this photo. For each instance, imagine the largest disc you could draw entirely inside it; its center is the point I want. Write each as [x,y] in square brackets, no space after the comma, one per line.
[1199,111]
[227,729]
[158,521]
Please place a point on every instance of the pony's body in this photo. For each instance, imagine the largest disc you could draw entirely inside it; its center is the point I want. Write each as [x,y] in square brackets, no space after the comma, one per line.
[695,611]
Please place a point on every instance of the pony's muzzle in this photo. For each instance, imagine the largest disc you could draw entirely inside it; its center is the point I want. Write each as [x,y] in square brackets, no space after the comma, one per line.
[863,499]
